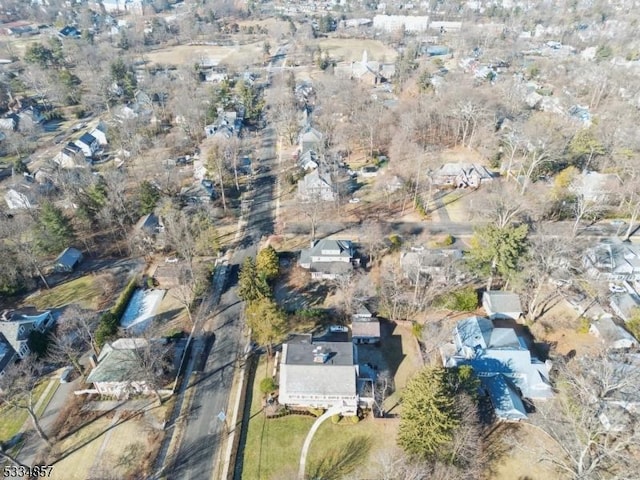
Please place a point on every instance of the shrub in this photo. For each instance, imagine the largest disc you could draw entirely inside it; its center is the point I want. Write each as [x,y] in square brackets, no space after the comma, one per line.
[463,300]
[396,242]
[583,326]
[316,412]
[443,241]
[335,418]
[416,329]
[354,419]
[267,385]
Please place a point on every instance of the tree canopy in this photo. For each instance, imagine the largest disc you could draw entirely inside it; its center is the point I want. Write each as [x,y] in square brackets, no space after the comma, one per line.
[53,231]
[267,322]
[251,285]
[497,250]
[267,263]
[149,197]
[430,413]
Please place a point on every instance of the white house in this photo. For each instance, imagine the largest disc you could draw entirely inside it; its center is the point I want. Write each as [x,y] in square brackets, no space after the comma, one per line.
[319,375]
[499,304]
[315,187]
[88,144]
[328,259]
[100,134]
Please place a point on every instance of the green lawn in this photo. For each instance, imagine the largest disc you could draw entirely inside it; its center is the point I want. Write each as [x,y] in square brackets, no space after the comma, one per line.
[83,291]
[272,449]
[12,419]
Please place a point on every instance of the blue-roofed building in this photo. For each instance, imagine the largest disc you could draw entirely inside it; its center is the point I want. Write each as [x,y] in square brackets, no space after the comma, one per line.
[68,260]
[88,144]
[494,353]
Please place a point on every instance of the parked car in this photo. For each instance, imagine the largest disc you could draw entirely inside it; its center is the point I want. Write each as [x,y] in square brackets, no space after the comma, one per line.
[354,200]
[615,288]
[338,329]
[65,376]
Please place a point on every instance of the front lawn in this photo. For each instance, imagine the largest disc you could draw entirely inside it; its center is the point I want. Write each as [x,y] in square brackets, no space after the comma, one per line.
[272,447]
[12,419]
[84,291]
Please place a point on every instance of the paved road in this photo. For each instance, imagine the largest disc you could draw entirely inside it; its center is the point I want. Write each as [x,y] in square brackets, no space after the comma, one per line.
[203,433]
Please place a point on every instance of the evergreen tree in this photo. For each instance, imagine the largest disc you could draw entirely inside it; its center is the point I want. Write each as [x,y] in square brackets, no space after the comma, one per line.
[149,197]
[497,250]
[268,323]
[251,285]
[430,415]
[267,263]
[53,231]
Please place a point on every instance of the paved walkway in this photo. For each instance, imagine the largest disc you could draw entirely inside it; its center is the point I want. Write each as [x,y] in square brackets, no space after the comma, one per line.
[307,441]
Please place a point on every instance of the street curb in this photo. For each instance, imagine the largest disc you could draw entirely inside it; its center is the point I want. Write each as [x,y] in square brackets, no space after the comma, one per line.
[233,439]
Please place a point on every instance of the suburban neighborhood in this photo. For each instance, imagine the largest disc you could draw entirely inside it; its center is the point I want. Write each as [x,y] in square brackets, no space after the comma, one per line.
[319,240]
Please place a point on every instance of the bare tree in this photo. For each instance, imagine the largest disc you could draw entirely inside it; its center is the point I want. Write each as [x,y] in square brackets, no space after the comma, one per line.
[586,207]
[590,418]
[17,386]
[500,204]
[73,336]
[217,164]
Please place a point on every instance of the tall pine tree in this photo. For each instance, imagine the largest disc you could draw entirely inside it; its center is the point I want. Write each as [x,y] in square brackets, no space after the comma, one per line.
[251,285]
[53,231]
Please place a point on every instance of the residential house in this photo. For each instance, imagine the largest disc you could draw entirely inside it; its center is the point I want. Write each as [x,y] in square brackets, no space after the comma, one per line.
[435,265]
[624,305]
[88,144]
[118,373]
[499,304]
[596,187]
[365,328]
[613,261]
[201,192]
[316,186]
[148,232]
[308,160]
[70,31]
[329,259]
[16,325]
[461,175]
[7,354]
[71,156]
[129,6]
[367,71]
[310,139]
[68,260]
[30,117]
[228,124]
[26,194]
[319,375]
[170,275]
[612,335]
[100,134]
[502,362]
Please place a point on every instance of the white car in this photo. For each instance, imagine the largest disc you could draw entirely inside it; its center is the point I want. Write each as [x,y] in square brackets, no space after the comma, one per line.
[614,288]
[354,200]
[338,328]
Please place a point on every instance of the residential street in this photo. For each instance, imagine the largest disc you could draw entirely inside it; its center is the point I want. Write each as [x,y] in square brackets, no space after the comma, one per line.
[203,432]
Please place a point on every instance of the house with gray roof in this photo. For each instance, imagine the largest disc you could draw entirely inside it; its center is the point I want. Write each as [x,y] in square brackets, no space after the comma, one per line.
[117,372]
[16,325]
[435,265]
[492,352]
[328,259]
[365,327]
[88,144]
[316,186]
[596,187]
[614,336]
[461,175]
[68,260]
[499,304]
[624,305]
[310,139]
[319,375]
[613,260]
[7,354]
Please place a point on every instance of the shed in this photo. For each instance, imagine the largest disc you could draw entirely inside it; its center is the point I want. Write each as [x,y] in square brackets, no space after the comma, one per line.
[365,330]
[68,260]
[499,304]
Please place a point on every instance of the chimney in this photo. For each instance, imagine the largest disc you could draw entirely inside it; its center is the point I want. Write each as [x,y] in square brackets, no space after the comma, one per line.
[320,355]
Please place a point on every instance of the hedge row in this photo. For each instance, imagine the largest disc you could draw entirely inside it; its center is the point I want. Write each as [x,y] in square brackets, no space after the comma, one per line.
[110,321]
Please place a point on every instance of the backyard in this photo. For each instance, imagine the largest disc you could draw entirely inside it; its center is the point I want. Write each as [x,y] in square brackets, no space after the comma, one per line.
[90,292]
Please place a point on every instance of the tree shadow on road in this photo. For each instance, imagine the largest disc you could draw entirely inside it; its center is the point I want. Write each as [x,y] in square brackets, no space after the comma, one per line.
[340,462]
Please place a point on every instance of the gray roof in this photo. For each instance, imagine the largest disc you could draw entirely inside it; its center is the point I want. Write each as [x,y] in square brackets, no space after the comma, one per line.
[118,361]
[332,268]
[340,353]
[504,397]
[300,375]
[69,257]
[366,329]
[7,353]
[87,139]
[499,301]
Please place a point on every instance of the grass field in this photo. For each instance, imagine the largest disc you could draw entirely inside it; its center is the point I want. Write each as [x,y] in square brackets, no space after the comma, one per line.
[12,419]
[191,54]
[350,49]
[83,291]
